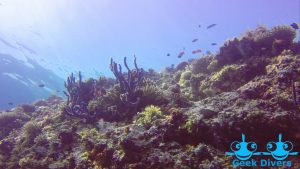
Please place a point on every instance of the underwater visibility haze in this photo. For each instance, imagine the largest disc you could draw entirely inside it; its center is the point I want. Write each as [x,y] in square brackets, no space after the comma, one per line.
[148,84]
[70,36]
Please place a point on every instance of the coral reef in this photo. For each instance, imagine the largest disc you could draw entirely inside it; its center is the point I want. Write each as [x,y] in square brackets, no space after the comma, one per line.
[129,85]
[260,42]
[151,94]
[185,78]
[79,93]
[227,78]
[148,116]
[135,90]
[181,66]
[200,65]
[10,121]
[107,105]
[183,117]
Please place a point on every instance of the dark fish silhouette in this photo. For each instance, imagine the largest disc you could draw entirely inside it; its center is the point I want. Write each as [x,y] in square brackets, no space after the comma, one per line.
[10,103]
[168,54]
[210,26]
[181,54]
[57,91]
[213,44]
[195,40]
[199,26]
[196,51]
[295,25]
[41,85]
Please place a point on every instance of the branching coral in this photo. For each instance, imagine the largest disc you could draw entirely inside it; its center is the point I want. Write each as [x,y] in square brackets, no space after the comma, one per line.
[129,85]
[79,94]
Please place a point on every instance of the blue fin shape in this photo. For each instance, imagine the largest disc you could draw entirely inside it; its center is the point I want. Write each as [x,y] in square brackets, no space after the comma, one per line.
[258,153]
[266,153]
[293,153]
[229,153]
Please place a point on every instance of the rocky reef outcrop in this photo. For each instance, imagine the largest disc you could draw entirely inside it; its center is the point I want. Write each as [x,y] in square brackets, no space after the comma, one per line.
[186,116]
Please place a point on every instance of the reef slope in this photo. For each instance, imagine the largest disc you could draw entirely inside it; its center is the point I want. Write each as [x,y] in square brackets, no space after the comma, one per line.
[184,117]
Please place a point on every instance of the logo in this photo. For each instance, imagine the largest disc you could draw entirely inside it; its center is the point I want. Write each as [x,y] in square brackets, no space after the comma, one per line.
[279,151]
[243,150]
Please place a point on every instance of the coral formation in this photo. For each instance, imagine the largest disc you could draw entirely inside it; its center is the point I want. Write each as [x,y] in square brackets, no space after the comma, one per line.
[200,65]
[151,94]
[228,78]
[188,115]
[182,66]
[185,78]
[79,94]
[148,116]
[10,121]
[260,42]
[129,85]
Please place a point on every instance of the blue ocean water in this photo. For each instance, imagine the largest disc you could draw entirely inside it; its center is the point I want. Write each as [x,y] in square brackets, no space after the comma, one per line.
[42,42]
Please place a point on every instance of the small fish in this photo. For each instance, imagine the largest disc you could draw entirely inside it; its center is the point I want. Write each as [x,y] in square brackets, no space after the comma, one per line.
[196,51]
[57,91]
[212,25]
[199,26]
[10,103]
[181,54]
[213,44]
[41,85]
[195,40]
[168,54]
[295,25]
